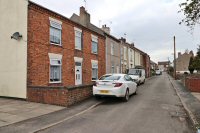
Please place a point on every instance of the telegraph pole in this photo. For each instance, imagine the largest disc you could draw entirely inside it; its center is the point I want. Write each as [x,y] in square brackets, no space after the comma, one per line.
[174,57]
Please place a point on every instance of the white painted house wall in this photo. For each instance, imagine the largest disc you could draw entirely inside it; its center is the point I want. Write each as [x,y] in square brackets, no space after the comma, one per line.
[137,58]
[131,57]
[13,53]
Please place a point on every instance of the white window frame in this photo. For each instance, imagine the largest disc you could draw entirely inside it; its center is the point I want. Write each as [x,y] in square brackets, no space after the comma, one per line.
[122,52]
[125,53]
[131,53]
[53,57]
[94,40]
[94,66]
[112,48]
[78,34]
[60,65]
[56,24]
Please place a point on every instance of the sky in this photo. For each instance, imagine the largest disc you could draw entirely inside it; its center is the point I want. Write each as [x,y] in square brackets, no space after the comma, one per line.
[149,24]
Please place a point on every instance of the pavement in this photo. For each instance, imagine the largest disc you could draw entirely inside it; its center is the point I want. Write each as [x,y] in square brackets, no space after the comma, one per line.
[15,110]
[196,94]
[190,101]
[42,120]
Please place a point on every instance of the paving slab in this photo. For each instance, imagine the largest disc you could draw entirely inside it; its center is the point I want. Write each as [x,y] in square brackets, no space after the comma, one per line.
[197,95]
[45,121]
[15,110]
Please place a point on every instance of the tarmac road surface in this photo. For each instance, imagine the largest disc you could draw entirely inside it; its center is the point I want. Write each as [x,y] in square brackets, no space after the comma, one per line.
[155,109]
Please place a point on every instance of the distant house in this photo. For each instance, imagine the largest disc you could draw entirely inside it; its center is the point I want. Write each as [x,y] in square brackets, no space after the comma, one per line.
[112,51]
[182,62]
[132,57]
[154,66]
[163,65]
[124,47]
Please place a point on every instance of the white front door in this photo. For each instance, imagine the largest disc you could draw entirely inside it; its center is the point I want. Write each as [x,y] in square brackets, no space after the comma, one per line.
[78,73]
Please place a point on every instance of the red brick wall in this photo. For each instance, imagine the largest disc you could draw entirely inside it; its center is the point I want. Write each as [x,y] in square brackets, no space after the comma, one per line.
[193,84]
[56,96]
[78,94]
[146,61]
[63,96]
[38,87]
[39,46]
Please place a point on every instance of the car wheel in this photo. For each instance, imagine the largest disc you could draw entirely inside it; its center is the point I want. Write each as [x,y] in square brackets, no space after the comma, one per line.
[139,83]
[126,97]
[135,93]
[98,97]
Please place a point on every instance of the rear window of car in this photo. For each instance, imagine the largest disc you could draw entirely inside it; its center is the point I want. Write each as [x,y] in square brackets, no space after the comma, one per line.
[105,76]
[112,77]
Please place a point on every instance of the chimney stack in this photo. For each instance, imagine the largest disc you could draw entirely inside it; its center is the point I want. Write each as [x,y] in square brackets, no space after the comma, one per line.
[106,29]
[179,54]
[122,40]
[84,16]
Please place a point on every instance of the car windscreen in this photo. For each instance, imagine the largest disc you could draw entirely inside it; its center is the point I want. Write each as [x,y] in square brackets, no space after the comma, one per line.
[112,77]
[105,76]
[134,72]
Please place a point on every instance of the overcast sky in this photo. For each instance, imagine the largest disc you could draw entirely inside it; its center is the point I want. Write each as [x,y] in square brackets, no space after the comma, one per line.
[150,24]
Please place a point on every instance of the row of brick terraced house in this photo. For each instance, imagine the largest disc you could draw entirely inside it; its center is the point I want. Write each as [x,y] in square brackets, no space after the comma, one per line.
[49,58]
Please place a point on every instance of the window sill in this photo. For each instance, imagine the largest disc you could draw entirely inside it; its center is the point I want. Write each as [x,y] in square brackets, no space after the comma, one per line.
[55,82]
[78,49]
[95,53]
[56,44]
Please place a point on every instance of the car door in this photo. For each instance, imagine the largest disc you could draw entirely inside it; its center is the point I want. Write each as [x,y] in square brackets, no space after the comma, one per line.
[129,83]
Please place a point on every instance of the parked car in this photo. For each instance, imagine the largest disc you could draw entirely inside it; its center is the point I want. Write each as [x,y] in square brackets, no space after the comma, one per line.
[158,72]
[138,75]
[116,85]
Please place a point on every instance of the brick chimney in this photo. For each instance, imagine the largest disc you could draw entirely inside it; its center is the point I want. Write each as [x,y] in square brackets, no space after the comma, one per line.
[191,53]
[179,54]
[106,29]
[84,16]
[122,40]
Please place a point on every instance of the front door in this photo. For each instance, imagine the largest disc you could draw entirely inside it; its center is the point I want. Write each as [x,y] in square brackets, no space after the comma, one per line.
[78,73]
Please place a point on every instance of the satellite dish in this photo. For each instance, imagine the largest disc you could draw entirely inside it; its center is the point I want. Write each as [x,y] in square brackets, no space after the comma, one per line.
[16,36]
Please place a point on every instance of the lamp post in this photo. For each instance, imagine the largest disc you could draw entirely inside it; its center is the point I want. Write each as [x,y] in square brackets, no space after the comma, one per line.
[174,58]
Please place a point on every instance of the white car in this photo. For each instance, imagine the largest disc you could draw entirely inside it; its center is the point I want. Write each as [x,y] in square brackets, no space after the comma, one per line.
[138,75]
[158,72]
[116,85]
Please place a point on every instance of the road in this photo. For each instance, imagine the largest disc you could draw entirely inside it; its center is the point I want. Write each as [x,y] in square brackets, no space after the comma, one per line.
[155,109]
